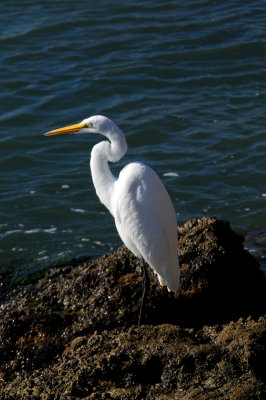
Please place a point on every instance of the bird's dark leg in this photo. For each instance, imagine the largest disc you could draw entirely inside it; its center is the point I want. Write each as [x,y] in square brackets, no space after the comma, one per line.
[146,285]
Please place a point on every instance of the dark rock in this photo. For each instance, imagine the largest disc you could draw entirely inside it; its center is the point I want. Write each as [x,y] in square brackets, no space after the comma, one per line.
[219,279]
[74,335]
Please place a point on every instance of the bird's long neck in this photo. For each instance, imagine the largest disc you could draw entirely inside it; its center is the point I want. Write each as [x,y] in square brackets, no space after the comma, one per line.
[102,177]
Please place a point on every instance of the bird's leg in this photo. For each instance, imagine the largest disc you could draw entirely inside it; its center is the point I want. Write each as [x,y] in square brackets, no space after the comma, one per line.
[146,285]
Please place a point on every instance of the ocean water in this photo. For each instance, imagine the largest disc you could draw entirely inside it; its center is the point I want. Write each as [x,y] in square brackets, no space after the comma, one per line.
[185,81]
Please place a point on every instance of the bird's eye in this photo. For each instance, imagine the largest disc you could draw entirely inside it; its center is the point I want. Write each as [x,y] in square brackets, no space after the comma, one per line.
[87,125]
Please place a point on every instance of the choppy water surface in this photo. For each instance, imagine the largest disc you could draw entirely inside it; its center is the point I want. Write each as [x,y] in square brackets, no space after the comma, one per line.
[184,81]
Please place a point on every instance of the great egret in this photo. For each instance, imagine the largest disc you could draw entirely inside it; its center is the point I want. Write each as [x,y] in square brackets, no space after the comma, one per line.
[143,212]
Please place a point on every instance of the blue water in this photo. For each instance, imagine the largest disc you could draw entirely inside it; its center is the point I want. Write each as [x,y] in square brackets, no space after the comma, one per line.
[184,81]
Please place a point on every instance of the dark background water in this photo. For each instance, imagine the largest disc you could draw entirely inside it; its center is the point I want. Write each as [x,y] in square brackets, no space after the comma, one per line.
[185,81]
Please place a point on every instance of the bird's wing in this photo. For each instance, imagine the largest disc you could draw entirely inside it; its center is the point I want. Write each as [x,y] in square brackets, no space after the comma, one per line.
[146,221]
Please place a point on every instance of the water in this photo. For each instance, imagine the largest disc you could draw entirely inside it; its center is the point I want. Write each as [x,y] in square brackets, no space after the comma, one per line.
[186,84]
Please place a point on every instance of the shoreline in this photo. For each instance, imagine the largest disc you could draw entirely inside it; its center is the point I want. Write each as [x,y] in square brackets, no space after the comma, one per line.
[254,243]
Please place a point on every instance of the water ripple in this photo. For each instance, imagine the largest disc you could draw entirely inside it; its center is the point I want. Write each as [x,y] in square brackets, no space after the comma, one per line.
[186,83]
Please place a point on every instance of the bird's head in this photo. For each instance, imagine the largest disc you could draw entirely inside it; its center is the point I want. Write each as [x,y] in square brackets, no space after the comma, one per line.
[95,124]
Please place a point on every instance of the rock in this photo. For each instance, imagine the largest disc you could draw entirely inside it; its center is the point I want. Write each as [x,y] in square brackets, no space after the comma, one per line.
[219,279]
[154,362]
[73,334]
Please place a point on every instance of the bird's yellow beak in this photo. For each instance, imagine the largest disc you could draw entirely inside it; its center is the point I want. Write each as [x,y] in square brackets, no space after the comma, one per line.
[68,129]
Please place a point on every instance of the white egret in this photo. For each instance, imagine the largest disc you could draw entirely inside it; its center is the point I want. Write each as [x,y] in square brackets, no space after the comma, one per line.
[143,212]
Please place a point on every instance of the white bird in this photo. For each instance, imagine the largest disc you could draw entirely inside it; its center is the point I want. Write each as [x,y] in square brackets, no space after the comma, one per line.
[143,212]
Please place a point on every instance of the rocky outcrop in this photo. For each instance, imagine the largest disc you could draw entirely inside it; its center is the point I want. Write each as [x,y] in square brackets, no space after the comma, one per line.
[73,334]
